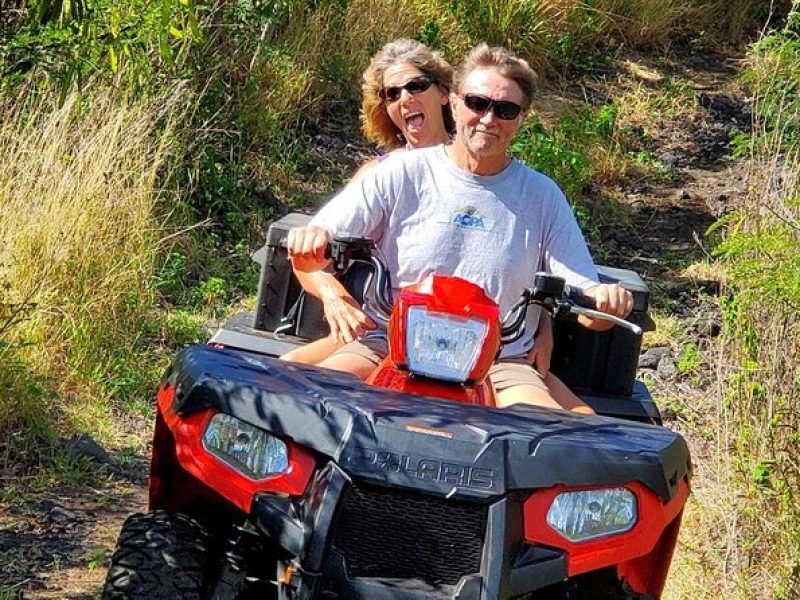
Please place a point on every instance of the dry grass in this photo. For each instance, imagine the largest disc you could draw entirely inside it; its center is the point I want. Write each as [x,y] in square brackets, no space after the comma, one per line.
[742,535]
[648,23]
[78,194]
[645,103]
[739,538]
[706,270]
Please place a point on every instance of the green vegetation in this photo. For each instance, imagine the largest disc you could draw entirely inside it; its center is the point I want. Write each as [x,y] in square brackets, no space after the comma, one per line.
[97,558]
[756,421]
[690,359]
[145,145]
[565,151]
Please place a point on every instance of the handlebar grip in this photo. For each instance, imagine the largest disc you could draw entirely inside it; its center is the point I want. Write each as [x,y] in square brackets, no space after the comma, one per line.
[283,243]
[586,305]
[577,297]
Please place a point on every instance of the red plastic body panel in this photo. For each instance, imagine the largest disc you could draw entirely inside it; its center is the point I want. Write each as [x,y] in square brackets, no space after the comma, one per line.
[642,554]
[237,488]
[455,297]
[388,376]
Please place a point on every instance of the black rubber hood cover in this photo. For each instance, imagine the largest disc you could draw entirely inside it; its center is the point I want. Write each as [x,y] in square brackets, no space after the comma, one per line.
[433,445]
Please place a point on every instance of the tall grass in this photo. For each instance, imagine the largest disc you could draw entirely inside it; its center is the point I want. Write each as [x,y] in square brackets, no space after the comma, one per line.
[78,197]
[744,530]
[656,23]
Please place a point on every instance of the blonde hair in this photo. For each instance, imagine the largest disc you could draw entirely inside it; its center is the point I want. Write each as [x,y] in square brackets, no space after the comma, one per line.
[376,124]
[505,62]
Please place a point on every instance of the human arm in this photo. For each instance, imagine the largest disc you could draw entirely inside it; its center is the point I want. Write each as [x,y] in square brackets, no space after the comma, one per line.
[342,312]
[307,246]
[356,209]
[567,255]
[542,350]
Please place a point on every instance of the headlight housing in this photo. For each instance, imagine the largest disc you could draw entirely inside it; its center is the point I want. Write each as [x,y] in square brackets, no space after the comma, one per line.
[590,514]
[441,345]
[249,450]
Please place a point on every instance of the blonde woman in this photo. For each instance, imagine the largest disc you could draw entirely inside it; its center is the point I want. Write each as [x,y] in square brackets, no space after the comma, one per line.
[405,105]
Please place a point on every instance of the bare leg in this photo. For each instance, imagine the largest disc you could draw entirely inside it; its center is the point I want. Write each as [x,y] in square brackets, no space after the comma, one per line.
[526,394]
[359,366]
[564,396]
[557,395]
[314,352]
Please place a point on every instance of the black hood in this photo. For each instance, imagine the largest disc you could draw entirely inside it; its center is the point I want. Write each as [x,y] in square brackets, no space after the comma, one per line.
[438,446]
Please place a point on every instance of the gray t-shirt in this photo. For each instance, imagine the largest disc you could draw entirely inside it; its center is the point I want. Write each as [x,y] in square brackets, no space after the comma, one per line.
[429,216]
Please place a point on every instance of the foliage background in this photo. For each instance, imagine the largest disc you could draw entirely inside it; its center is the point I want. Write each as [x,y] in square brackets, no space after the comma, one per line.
[144,145]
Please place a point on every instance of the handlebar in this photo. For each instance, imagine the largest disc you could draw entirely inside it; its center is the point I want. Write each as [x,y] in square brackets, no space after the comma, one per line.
[548,291]
[551,293]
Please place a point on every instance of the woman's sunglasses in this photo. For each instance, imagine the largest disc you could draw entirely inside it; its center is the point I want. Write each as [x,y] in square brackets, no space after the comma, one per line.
[503,109]
[412,86]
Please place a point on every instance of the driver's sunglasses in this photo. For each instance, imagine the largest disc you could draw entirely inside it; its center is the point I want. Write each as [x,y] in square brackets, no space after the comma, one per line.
[503,109]
[414,86]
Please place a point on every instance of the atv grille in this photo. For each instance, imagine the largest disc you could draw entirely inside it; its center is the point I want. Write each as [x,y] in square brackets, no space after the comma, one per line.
[392,533]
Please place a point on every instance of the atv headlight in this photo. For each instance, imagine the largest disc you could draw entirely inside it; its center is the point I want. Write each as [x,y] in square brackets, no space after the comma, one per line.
[247,449]
[581,516]
[442,346]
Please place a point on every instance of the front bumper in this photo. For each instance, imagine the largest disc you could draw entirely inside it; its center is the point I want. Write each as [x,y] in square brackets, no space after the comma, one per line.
[307,530]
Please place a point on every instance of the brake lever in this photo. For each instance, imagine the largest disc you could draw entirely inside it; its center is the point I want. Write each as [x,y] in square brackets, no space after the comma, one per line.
[564,308]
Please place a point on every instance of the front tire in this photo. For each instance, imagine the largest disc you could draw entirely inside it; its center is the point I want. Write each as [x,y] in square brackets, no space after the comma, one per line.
[159,555]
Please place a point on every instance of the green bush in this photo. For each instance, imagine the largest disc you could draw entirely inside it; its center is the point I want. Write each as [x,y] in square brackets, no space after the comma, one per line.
[775,81]
[562,152]
[134,42]
[761,256]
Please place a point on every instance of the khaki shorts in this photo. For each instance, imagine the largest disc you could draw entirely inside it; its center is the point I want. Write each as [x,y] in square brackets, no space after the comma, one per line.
[505,374]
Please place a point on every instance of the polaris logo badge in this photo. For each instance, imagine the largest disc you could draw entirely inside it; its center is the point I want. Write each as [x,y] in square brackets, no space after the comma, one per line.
[430,469]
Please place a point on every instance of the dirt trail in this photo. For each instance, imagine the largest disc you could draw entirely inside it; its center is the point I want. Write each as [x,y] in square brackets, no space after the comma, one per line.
[55,543]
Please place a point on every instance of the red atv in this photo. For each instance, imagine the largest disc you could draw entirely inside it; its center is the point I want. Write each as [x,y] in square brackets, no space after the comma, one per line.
[276,480]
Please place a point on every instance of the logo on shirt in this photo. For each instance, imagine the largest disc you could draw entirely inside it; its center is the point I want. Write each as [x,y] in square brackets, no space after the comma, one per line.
[468,218]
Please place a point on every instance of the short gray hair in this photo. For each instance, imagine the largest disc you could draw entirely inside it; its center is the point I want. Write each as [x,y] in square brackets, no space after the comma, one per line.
[505,62]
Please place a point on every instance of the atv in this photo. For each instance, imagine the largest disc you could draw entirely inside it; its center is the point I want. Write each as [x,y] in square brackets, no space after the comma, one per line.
[271,479]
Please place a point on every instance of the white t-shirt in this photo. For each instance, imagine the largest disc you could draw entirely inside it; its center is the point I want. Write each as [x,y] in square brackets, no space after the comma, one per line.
[427,216]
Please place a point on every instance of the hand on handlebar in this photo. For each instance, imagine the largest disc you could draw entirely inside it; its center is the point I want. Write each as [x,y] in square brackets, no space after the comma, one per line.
[612,299]
[307,247]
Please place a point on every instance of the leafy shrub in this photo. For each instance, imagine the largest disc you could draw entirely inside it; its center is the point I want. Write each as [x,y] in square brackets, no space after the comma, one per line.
[690,358]
[761,256]
[72,42]
[565,151]
[775,81]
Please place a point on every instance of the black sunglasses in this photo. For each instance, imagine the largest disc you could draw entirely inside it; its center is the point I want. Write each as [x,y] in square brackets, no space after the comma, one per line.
[503,109]
[415,86]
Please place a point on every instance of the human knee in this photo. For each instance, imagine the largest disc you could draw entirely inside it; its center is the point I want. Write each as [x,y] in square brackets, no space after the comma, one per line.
[354,364]
[526,394]
[292,355]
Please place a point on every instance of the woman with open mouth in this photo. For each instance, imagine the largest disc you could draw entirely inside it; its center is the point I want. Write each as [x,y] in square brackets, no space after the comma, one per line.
[405,105]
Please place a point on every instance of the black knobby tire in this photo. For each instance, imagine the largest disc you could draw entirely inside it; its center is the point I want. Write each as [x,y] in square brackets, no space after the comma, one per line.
[159,555]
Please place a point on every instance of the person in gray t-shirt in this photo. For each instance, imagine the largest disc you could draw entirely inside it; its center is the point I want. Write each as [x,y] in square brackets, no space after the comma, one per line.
[469,210]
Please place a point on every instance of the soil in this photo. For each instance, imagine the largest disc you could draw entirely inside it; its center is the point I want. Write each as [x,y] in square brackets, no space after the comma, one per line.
[55,543]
